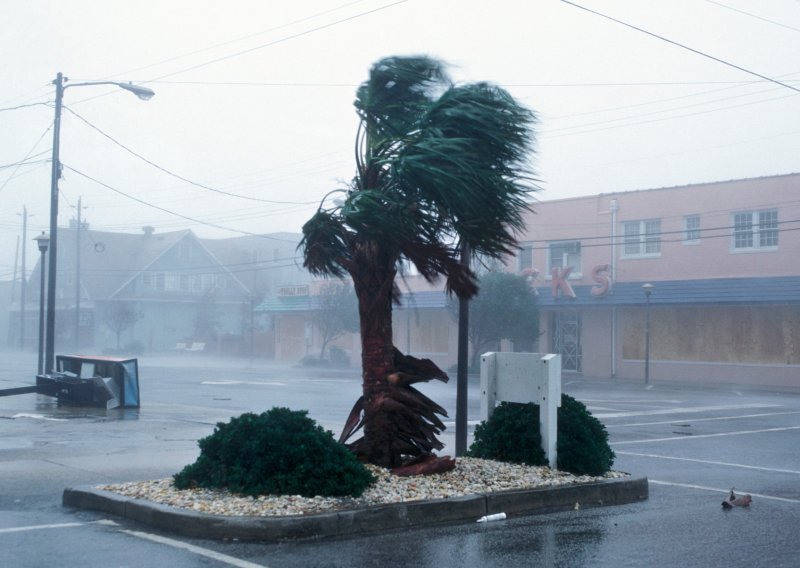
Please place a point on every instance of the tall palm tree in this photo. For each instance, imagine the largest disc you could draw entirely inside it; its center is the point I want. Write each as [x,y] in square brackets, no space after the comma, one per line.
[438,166]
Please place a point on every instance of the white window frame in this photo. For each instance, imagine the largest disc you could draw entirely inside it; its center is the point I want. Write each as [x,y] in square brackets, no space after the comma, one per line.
[525,257]
[646,240]
[754,231]
[691,230]
[577,267]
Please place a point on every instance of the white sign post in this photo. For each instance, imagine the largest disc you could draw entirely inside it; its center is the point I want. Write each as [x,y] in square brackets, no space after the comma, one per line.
[525,377]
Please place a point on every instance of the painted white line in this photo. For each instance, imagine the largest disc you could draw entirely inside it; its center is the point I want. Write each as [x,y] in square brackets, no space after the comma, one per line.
[41,527]
[694,420]
[769,469]
[683,410]
[706,436]
[224,558]
[38,417]
[258,383]
[630,401]
[718,490]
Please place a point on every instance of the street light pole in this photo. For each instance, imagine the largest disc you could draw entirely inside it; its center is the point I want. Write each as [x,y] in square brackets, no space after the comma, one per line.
[462,377]
[648,289]
[42,241]
[143,93]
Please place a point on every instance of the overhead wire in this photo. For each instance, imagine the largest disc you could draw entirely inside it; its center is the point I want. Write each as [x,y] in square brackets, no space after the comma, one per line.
[175,213]
[683,46]
[180,177]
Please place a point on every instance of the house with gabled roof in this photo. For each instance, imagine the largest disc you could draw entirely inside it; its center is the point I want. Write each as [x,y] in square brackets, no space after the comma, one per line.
[154,291]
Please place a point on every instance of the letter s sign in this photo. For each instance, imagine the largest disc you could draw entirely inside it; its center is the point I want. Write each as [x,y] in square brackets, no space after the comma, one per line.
[603,279]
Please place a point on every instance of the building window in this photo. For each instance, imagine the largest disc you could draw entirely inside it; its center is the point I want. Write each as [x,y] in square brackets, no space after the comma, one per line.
[147,280]
[642,238]
[185,250]
[754,230]
[691,229]
[565,254]
[525,257]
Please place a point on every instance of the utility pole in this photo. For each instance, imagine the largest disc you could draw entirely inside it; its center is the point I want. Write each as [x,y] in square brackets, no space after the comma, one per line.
[24,279]
[78,279]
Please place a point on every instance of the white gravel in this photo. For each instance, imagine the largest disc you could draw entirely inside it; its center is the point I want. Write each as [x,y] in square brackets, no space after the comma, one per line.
[470,476]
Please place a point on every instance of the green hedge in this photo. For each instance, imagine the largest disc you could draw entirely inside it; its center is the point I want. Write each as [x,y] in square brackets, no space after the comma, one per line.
[512,435]
[278,452]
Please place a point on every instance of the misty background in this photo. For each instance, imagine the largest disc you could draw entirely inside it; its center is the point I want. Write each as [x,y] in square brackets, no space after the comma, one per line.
[252,122]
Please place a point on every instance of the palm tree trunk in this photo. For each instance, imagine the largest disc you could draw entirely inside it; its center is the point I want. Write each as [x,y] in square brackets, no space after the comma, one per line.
[373,284]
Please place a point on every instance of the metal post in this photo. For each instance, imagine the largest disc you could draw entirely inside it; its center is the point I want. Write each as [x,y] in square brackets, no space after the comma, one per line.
[55,174]
[42,241]
[462,379]
[23,299]
[648,289]
[78,280]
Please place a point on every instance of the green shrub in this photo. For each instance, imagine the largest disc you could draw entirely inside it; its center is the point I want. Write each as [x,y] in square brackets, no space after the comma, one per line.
[278,452]
[582,440]
[512,435]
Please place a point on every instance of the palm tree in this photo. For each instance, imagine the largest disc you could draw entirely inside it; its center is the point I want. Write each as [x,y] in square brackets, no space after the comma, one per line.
[438,166]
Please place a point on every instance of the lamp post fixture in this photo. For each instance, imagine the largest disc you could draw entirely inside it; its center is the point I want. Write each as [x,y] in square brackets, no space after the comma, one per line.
[648,289]
[42,241]
[143,93]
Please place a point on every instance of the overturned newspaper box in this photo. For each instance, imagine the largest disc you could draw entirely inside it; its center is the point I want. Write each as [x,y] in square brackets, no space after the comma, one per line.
[108,382]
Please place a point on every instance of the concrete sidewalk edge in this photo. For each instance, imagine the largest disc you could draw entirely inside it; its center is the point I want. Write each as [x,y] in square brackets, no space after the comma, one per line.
[359,521]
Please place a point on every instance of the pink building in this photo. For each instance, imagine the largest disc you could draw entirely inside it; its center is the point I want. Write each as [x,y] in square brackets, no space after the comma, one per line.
[722,259]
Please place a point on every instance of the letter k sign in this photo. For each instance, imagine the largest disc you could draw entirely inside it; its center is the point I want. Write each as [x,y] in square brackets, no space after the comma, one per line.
[560,276]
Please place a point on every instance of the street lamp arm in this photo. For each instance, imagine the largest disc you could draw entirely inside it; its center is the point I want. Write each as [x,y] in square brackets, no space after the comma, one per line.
[142,92]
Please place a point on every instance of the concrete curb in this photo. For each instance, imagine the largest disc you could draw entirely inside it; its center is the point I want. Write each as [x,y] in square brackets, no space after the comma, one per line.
[359,521]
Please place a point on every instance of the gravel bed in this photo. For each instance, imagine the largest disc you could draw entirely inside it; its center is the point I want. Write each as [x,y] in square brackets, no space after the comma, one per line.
[470,476]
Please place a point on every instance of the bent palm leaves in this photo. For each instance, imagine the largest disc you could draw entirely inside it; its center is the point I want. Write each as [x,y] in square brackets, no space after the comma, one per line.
[437,165]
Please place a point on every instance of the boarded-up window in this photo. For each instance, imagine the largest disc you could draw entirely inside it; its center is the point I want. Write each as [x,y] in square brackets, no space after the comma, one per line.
[757,335]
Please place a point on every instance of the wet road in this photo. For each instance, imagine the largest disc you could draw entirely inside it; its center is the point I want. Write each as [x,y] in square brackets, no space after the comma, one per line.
[692,444]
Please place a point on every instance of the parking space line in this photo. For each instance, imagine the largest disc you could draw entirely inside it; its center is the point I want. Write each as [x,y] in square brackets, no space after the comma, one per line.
[769,469]
[719,490]
[231,560]
[41,527]
[682,410]
[703,419]
[698,436]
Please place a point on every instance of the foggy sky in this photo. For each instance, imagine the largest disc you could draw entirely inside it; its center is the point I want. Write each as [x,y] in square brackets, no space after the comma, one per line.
[255,99]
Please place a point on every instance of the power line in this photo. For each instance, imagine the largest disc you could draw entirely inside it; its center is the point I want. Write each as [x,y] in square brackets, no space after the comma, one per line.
[228,42]
[686,47]
[22,106]
[176,214]
[28,155]
[283,39]
[753,15]
[177,176]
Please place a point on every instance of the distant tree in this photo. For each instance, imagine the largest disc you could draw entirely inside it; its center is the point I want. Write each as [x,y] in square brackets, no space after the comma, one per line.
[120,316]
[206,318]
[336,313]
[504,308]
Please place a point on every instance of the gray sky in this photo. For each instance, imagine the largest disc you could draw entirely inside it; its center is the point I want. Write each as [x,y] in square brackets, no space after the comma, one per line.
[255,98]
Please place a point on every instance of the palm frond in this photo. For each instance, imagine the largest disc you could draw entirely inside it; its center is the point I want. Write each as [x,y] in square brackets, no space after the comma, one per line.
[325,245]
[399,90]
